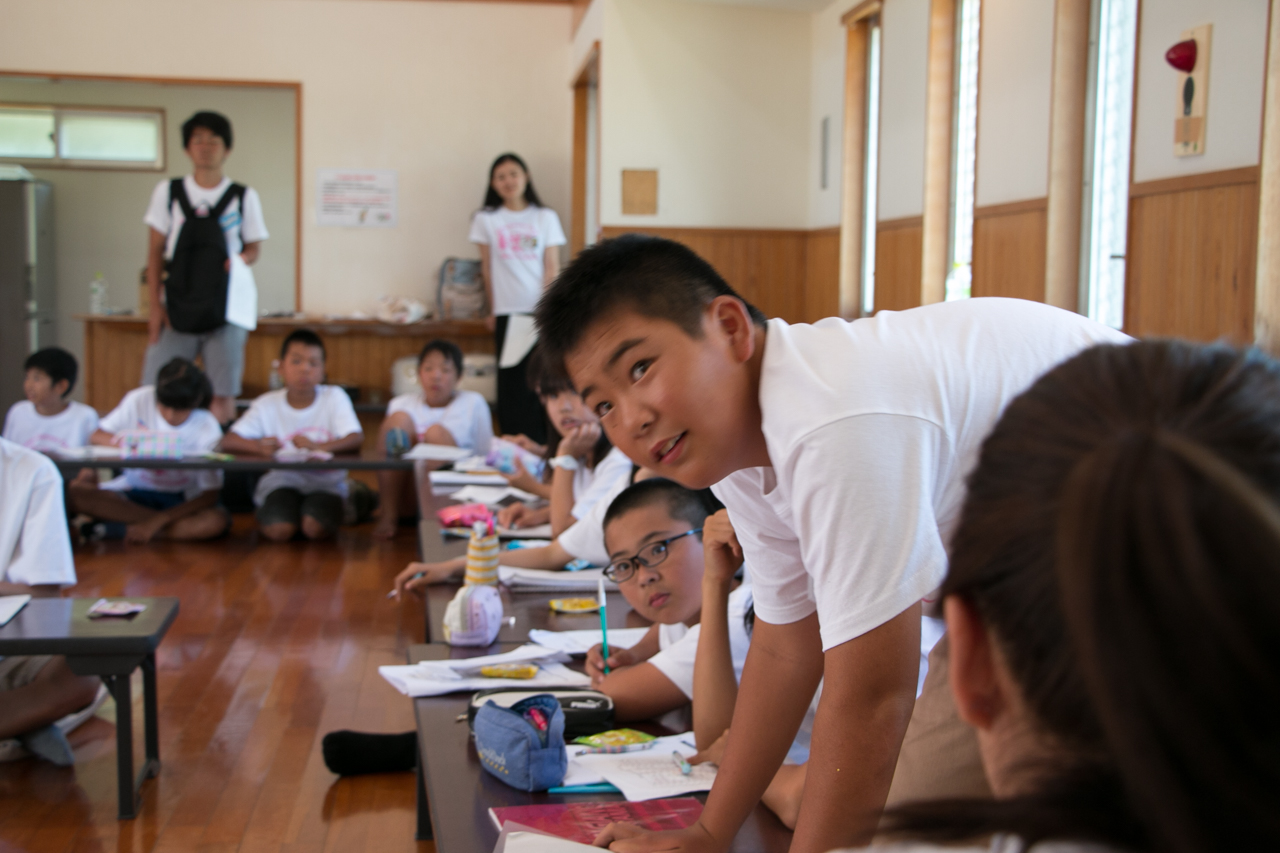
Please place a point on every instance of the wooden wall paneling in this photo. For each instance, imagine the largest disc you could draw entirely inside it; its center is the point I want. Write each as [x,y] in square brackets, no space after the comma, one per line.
[1266,312]
[1066,153]
[822,274]
[937,166]
[898,257]
[1192,256]
[1009,247]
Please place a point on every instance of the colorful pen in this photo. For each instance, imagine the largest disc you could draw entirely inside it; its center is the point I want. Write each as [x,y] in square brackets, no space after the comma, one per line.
[685,767]
[416,575]
[604,627]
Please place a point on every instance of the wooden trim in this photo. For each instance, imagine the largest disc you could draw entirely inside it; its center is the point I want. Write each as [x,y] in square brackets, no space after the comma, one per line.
[1067,106]
[296,86]
[578,197]
[1266,310]
[1010,208]
[853,177]
[861,12]
[671,230]
[937,162]
[903,222]
[586,73]
[1204,180]
[832,230]
[580,8]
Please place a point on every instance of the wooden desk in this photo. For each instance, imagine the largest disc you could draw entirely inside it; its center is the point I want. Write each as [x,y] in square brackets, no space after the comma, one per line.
[460,793]
[340,461]
[110,649]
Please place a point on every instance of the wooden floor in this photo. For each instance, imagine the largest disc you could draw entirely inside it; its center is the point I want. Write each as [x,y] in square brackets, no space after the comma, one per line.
[275,645]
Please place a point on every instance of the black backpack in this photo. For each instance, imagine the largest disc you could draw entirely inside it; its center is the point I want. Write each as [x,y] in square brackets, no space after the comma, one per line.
[196,286]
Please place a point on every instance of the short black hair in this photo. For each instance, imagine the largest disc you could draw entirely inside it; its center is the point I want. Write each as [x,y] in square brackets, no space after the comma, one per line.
[56,363]
[448,349]
[215,123]
[681,503]
[183,386]
[545,377]
[306,337]
[652,276]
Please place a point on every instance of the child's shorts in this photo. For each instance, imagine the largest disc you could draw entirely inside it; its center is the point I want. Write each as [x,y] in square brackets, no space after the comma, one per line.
[288,506]
[152,499]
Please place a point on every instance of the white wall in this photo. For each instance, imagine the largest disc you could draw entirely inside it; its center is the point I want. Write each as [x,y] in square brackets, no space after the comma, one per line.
[1015,83]
[433,90]
[590,30]
[1238,58]
[716,99]
[826,100]
[904,62]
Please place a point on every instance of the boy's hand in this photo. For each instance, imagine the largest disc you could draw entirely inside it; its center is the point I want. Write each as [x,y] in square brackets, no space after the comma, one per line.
[618,658]
[86,478]
[268,446]
[521,479]
[526,443]
[579,441]
[721,550]
[713,754]
[629,838]
[430,573]
[157,319]
[305,443]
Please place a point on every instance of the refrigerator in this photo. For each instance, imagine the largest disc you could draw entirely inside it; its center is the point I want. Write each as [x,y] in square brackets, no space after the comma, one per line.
[27,288]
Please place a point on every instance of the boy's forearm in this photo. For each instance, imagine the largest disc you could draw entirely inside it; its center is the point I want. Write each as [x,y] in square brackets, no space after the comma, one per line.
[641,692]
[233,442]
[715,686]
[102,438]
[551,557]
[561,501]
[346,444]
[782,672]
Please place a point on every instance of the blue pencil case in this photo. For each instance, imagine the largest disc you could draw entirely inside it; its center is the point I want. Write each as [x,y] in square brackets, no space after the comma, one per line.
[516,750]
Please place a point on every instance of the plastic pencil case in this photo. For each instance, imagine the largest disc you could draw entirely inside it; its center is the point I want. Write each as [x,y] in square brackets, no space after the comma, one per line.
[586,712]
[503,455]
[151,445]
[514,750]
[463,515]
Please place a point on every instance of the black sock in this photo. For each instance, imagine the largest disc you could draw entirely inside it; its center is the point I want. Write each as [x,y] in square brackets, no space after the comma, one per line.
[350,753]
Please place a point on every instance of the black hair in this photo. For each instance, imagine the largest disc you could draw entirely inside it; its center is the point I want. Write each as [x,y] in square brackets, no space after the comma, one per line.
[215,123]
[652,276]
[448,349]
[183,386]
[306,337]
[56,363]
[1120,542]
[493,201]
[546,382]
[681,503]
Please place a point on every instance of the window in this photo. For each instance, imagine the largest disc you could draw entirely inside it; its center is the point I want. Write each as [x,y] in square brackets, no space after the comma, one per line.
[964,151]
[82,137]
[1105,217]
[870,210]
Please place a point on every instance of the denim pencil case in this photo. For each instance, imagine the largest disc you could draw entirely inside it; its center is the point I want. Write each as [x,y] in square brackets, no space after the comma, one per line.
[523,745]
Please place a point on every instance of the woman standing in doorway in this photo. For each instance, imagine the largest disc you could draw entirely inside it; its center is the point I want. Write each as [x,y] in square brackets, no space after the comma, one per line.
[519,243]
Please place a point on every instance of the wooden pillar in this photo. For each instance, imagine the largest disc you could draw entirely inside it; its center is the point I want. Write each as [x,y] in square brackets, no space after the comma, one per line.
[1266,313]
[853,169]
[1066,153]
[937,153]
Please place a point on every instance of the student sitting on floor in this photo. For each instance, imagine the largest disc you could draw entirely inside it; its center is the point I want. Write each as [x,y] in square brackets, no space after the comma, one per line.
[582,464]
[40,697]
[583,541]
[303,415]
[1112,604]
[47,420]
[437,413]
[144,503]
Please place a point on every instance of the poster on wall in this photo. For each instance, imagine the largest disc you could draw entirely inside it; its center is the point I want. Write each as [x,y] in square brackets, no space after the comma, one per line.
[359,198]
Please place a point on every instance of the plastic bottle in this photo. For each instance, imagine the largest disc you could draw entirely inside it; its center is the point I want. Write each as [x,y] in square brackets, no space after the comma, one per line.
[98,294]
[274,382]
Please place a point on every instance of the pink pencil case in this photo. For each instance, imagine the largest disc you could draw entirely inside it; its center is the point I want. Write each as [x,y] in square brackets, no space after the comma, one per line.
[464,515]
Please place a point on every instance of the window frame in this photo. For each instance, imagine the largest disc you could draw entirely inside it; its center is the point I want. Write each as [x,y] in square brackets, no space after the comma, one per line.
[57,161]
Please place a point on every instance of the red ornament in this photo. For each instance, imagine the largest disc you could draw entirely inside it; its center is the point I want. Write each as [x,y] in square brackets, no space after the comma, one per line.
[1182,56]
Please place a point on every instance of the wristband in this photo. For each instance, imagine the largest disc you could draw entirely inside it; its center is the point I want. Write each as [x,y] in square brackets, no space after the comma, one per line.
[568,463]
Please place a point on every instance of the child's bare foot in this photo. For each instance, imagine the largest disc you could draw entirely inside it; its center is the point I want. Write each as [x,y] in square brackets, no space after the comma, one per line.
[385,528]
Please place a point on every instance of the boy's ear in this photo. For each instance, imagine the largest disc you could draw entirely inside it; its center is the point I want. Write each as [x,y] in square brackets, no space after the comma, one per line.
[975,683]
[729,319]
[62,387]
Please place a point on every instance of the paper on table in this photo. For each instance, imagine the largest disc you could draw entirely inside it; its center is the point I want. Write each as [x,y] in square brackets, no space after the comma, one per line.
[515,838]
[10,605]
[528,580]
[580,642]
[91,451]
[290,453]
[436,678]
[436,452]
[462,478]
[490,495]
[242,295]
[521,336]
[645,775]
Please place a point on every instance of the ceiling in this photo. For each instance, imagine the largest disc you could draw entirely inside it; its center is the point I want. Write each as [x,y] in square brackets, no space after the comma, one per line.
[789,5]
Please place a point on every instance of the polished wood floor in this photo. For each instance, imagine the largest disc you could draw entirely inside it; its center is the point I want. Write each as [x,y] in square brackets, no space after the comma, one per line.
[275,645]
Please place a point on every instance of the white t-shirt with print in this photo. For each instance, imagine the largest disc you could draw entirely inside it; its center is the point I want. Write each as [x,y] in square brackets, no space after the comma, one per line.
[35,547]
[592,484]
[518,243]
[240,227]
[68,429]
[1000,843]
[585,537]
[329,417]
[872,427]
[199,433]
[467,418]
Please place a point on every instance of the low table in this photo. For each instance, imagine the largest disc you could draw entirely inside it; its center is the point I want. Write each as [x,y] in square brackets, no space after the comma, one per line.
[110,649]
[238,462]
[461,792]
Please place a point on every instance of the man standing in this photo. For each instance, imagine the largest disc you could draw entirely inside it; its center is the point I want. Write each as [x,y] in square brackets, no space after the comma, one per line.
[184,219]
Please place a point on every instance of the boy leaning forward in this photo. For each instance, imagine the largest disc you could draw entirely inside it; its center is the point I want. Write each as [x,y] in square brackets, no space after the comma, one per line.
[840,450]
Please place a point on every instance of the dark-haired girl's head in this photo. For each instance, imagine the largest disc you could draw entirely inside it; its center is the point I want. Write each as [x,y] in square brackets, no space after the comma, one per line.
[563,406]
[180,388]
[1113,604]
[439,369]
[509,179]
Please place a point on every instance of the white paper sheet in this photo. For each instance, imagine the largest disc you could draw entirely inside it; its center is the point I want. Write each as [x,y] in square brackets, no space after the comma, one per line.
[91,451]
[436,678]
[521,336]
[10,605]
[462,478]
[436,452]
[645,775]
[491,495]
[529,580]
[515,838]
[580,642]
[242,295]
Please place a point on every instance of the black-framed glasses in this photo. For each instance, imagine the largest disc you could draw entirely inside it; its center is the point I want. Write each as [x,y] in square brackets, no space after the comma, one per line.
[648,556]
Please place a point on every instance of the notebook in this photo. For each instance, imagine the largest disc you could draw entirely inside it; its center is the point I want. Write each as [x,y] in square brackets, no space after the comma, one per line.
[582,822]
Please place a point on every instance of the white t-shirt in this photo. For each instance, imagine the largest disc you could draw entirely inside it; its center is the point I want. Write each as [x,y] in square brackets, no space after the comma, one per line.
[35,547]
[518,243]
[591,484]
[872,427]
[466,417]
[585,537]
[999,844]
[240,228]
[329,417]
[199,433]
[69,428]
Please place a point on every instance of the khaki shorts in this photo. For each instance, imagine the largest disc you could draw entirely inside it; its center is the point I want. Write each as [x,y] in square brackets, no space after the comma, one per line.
[20,671]
[221,351]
